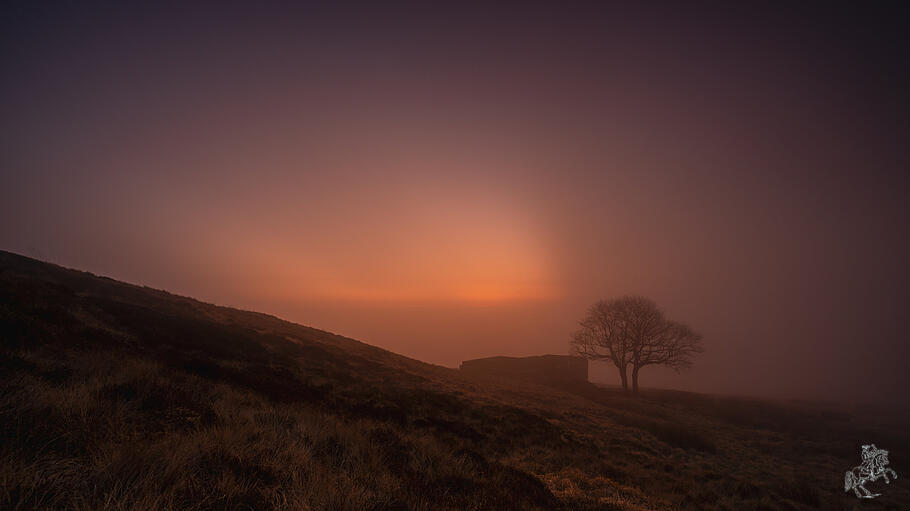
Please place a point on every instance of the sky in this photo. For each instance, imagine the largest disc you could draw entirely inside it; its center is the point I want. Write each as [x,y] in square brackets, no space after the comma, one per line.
[451,182]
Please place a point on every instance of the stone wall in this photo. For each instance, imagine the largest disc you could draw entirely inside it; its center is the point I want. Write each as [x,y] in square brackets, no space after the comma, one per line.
[548,369]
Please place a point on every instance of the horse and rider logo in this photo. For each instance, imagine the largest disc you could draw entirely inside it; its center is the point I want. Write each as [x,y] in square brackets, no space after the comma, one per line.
[874,466]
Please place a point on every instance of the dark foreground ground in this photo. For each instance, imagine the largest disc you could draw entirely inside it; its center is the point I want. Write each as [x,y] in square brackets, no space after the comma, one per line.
[118,397]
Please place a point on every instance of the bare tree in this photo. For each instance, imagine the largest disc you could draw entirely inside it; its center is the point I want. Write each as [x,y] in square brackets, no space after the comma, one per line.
[632,331]
[604,335]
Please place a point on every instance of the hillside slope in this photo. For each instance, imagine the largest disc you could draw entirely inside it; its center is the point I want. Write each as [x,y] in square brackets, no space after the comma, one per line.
[115,396]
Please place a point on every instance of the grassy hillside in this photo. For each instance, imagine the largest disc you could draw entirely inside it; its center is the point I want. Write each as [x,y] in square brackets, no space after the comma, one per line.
[115,396]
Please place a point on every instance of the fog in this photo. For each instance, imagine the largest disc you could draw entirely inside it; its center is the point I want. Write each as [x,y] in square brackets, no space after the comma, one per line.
[464,183]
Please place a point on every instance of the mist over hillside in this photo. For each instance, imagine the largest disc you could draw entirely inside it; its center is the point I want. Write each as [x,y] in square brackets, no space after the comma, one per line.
[635,256]
[115,396]
[464,179]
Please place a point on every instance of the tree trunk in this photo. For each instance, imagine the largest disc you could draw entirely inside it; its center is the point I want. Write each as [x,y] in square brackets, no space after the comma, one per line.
[624,378]
[635,379]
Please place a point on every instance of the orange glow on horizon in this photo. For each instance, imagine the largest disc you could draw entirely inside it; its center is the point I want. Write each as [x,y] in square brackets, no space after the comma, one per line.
[421,247]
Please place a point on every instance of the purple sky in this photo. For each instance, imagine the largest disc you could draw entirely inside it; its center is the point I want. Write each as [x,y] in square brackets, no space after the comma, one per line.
[455,183]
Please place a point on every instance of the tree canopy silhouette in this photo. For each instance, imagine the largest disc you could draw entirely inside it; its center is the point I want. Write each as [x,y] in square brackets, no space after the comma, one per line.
[631,331]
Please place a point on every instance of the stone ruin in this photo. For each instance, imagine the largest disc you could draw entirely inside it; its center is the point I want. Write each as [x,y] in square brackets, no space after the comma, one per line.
[546,369]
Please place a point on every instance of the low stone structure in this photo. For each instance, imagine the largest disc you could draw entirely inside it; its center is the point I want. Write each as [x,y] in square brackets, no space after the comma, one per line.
[547,369]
